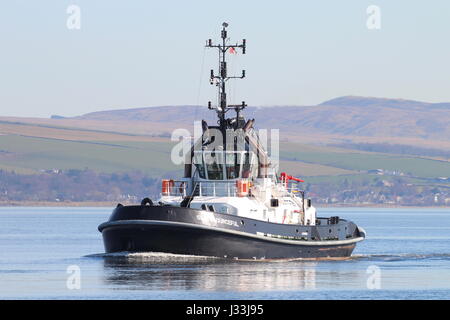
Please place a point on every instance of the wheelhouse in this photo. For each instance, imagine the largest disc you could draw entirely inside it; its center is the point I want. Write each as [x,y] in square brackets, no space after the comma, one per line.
[225,165]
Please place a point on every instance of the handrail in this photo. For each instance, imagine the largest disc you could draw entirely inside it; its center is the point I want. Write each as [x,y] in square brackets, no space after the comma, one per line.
[204,188]
[219,188]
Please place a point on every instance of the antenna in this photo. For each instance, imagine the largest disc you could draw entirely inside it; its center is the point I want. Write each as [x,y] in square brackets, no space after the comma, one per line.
[222,77]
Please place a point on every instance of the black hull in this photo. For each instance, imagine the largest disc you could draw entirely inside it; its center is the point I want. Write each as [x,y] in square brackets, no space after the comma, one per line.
[180,231]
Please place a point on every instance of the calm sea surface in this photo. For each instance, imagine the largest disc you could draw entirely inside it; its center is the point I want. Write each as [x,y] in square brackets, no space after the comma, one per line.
[406,256]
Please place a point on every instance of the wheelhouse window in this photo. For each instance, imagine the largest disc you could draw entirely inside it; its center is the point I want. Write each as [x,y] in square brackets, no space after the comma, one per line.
[199,164]
[249,165]
[233,164]
[214,165]
[226,165]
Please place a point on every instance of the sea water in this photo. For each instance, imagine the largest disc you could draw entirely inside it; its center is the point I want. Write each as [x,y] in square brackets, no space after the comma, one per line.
[57,253]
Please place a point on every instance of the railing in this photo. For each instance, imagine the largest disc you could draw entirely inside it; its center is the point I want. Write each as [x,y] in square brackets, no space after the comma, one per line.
[174,188]
[180,188]
[216,188]
[201,188]
[294,188]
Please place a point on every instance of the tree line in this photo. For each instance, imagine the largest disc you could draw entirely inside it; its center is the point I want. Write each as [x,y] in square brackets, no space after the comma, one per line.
[76,185]
[87,185]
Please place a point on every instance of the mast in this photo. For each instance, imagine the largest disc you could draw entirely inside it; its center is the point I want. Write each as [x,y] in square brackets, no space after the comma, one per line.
[223,77]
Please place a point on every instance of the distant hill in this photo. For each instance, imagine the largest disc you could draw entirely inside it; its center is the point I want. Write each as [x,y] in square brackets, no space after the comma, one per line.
[356,122]
[343,118]
[160,114]
[55,116]
[356,101]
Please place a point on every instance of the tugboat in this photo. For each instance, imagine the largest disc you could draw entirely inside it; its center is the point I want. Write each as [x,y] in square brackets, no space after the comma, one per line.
[231,202]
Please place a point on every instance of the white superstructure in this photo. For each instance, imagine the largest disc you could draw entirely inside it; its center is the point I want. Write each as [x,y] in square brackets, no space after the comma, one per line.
[244,194]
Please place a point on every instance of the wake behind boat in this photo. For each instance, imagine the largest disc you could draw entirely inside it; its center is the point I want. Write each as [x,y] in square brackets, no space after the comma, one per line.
[231,202]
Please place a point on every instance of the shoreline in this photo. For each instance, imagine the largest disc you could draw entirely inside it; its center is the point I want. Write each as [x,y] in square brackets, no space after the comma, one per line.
[113,204]
[61,204]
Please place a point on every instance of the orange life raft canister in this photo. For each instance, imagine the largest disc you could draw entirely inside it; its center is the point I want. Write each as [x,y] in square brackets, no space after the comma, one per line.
[167,186]
[242,187]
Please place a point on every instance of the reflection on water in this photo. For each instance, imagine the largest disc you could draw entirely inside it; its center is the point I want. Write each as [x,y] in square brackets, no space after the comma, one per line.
[154,271]
[170,272]
[160,271]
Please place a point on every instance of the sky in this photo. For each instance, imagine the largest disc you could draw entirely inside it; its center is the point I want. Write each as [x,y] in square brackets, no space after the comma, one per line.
[140,53]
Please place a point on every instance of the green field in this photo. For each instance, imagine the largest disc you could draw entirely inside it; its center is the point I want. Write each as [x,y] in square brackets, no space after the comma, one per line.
[364,161]
[21,154]
[26,154]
